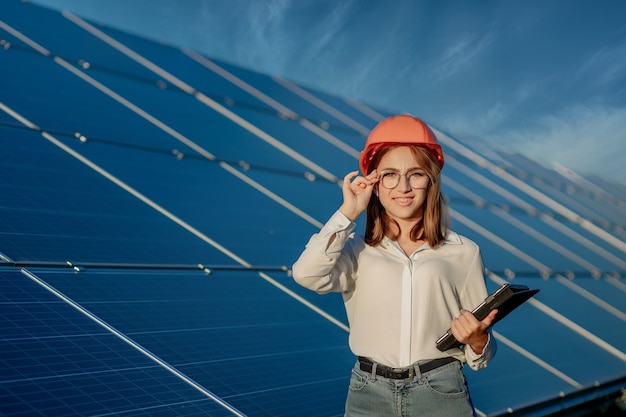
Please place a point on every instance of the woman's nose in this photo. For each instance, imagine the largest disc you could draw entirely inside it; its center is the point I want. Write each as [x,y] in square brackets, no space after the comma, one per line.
[403,184]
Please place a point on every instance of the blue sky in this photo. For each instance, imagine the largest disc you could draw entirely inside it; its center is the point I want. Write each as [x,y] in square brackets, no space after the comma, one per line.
[543,77]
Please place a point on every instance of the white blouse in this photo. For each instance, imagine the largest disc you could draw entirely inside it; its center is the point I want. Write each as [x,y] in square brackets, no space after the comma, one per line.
[397,305]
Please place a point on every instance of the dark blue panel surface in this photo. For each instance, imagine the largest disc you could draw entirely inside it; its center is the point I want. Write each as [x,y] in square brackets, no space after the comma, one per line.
[61,210]
[56,361]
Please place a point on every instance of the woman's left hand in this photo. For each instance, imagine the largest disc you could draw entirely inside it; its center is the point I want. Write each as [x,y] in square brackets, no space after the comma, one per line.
[470,331]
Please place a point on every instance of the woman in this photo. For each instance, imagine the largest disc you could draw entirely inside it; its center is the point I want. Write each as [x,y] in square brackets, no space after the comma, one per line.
[405,282]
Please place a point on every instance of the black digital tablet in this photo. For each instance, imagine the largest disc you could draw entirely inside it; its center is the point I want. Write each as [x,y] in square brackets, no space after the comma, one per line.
[506,299]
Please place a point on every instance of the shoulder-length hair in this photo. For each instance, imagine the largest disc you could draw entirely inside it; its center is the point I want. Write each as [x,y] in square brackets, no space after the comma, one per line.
[433,227]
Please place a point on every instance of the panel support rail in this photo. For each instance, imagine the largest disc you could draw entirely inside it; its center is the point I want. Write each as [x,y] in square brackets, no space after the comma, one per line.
[82,266]
[587,399]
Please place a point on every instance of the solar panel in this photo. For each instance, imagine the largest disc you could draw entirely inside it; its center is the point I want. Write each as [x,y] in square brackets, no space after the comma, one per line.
[153,200]
[58,361]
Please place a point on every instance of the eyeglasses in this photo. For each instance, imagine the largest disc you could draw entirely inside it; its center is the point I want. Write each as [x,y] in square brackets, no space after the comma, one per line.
[391,179]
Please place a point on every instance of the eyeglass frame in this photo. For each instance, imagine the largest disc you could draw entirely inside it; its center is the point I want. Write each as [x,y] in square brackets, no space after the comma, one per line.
[407,175]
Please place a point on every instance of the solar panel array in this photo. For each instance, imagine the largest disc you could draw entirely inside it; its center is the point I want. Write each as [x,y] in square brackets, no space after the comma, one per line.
[153,199]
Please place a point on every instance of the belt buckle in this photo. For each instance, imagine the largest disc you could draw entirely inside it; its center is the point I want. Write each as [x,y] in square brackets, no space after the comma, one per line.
[398,373]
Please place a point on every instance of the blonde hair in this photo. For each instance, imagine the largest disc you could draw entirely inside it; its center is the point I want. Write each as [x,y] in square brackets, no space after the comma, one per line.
[435,220]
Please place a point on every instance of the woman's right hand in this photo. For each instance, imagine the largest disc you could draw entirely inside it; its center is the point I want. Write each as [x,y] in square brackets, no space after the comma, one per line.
[356,193]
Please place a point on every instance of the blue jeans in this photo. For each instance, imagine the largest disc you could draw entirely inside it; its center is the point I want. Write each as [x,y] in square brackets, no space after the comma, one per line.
[441,392]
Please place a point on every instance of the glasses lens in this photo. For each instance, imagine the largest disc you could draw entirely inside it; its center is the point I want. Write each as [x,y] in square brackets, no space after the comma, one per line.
[418,180]
[390,180]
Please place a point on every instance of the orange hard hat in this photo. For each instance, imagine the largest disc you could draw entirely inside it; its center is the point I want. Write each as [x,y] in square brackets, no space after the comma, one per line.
[399,130]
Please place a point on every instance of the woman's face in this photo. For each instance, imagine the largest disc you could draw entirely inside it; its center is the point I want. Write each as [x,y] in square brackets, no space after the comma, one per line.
[402,203]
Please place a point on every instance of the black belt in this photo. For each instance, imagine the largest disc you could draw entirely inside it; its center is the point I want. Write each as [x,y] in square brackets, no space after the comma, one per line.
[366,365]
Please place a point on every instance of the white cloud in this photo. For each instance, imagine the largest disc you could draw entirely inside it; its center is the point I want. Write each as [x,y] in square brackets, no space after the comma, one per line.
[605,67]
[460,53]
[586,139]
[261,41]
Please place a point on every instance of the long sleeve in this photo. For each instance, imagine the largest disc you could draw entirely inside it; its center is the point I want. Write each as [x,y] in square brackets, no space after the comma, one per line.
[473,293]
[480,361]
[324,266]
[397,305]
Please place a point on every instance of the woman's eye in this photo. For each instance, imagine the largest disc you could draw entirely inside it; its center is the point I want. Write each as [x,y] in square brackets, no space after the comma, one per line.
[417,174]
[390,175]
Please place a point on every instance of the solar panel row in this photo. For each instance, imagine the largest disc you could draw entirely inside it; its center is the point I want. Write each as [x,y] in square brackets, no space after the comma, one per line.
[127,163]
